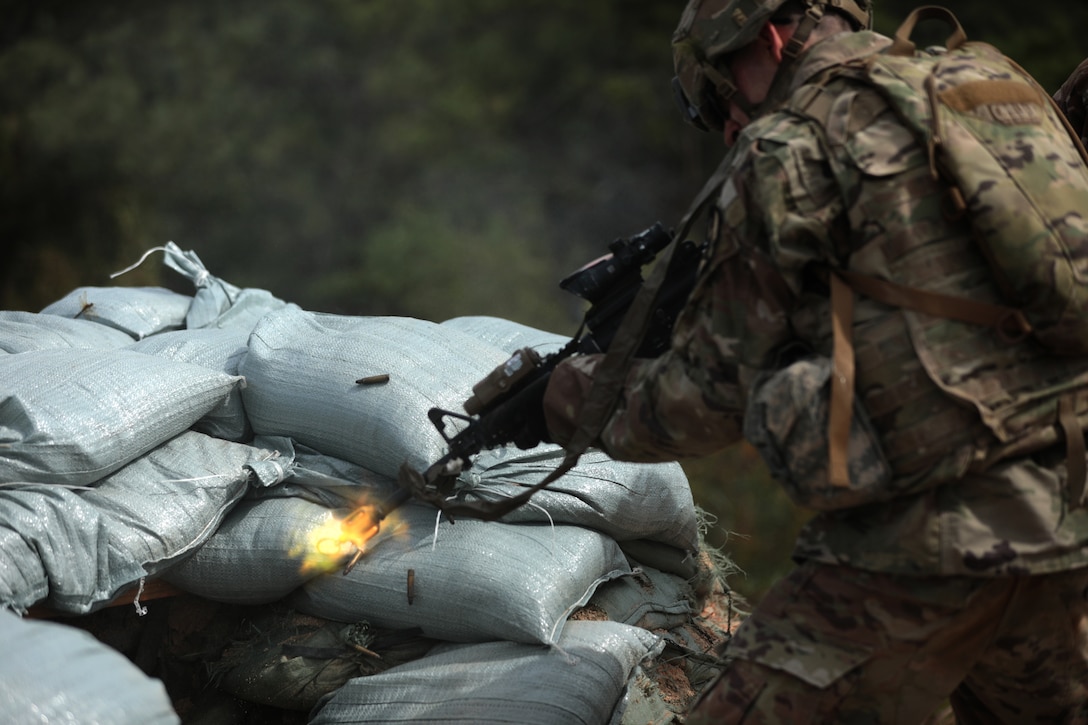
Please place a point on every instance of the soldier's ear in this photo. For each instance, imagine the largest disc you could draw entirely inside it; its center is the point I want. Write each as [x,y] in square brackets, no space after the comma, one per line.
[776,36]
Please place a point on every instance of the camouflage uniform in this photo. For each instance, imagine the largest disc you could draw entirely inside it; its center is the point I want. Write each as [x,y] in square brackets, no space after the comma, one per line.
[971,582]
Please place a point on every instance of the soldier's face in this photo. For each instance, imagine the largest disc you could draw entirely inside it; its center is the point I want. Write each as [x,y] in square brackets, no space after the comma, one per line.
[753,68]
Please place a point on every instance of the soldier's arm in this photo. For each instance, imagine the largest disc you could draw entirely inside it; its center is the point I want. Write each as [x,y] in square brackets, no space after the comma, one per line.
[690,401]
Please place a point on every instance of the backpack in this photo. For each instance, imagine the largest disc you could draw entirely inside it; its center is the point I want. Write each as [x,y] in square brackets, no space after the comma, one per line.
[1012,164]
[1016,169]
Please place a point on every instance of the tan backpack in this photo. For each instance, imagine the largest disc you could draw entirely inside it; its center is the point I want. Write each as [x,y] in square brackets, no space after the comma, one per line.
[1017,170]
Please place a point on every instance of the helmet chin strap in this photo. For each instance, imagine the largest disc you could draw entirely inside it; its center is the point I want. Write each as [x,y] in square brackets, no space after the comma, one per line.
[814,13]
[788,51]
[727,90]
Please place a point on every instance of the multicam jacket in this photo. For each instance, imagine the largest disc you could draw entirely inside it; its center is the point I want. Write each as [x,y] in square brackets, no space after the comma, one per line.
[975,493]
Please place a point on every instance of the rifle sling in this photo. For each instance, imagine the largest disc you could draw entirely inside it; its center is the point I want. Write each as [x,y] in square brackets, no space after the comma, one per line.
[611,374]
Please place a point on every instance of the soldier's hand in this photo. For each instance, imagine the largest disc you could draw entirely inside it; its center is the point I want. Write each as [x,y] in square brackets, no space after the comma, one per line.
[568,388]
[520,419]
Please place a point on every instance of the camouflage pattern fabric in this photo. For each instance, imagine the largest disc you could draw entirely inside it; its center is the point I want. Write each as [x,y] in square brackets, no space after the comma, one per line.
[787,423]
[1001,143]
[831,644]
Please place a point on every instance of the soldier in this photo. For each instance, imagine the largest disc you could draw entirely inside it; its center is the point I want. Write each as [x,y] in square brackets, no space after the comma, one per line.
[947,563]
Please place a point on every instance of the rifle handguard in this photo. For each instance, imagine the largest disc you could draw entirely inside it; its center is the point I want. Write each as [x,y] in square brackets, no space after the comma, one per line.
[501,380]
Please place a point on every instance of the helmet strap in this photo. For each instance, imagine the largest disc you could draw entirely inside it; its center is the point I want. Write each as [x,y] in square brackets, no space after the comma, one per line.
[726,89]
[813,14]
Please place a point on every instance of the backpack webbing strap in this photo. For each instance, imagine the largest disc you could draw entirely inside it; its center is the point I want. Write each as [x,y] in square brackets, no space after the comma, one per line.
[1076,469]
[1009,323]
[902,45]
[842,382]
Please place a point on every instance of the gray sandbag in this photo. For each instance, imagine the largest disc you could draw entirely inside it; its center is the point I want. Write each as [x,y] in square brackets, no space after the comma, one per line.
[627,501]
[257,555]
[26,331]
[137,311]
[167,503]
[470,581]
[264,548]
[332,481]
[57,546]
[645,703]
[53,673]
[217,303]
[23,578]
[216,349]
[74,416]
[77,549]
[581,680]
[649,598]
[288,660]
[302,368]
[507,335]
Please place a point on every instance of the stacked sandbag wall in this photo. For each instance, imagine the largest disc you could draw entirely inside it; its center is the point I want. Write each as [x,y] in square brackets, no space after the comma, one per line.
[202,440]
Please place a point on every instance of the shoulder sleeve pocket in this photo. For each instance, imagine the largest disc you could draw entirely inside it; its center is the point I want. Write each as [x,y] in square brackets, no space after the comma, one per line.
[819,659]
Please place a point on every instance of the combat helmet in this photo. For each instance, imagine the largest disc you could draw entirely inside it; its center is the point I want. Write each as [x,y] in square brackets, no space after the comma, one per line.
[710,30]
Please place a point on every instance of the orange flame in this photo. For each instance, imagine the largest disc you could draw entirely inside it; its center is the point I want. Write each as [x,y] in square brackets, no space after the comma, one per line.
[329,544]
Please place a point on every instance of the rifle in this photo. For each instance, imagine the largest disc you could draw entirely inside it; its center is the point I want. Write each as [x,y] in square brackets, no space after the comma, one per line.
[502,406]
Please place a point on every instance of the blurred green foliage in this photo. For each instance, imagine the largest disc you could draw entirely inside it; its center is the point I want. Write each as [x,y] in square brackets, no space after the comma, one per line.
[418,157]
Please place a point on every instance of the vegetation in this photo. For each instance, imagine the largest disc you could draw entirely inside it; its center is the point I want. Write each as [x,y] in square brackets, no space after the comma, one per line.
[417,157]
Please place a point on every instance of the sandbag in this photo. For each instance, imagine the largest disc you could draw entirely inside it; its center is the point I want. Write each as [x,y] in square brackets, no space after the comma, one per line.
[52,673]
[137,311]
[302,368]
[472,581]
[289,660]
[215,349]
[581,680]
[627,501]
[77,549]
[331,481]
[217,303]
[74,416]
[645,701]
[507,335]
[26,331]
[649,598]
[255,555]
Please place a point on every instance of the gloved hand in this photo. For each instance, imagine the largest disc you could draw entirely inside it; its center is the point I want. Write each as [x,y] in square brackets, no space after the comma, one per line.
[1072,98]
[568,388]
[520,420]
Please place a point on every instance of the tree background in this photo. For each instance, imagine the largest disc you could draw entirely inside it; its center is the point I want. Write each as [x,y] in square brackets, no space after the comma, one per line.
[417,157]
